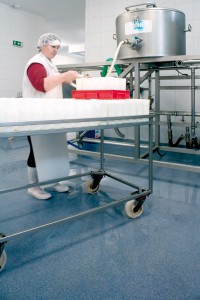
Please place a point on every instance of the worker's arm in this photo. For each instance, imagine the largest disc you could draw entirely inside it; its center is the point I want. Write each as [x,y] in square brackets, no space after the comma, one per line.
[52,81]
[43,83]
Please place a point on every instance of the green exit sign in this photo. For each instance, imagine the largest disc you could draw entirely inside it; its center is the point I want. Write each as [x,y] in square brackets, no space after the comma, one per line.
[17,44]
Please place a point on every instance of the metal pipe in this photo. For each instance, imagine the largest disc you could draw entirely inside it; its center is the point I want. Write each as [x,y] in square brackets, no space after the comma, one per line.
[175,113]
[102,151]
[193,102]
[137,96]
[150,91]
[187,62]
[150,175]
[170,137]
[187,137]
[131,84]
[157,108]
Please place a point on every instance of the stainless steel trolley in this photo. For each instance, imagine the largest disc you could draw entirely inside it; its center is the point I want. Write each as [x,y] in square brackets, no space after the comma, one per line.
[133,202]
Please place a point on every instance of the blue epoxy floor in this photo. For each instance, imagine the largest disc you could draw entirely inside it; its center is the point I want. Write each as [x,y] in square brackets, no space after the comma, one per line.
[105,255]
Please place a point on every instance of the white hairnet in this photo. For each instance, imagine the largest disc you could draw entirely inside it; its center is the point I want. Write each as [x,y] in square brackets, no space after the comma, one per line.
[49,39]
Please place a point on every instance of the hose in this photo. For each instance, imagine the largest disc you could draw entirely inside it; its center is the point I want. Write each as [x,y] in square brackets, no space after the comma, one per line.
[177,142]
[119,133]
[105,69]
[115,58]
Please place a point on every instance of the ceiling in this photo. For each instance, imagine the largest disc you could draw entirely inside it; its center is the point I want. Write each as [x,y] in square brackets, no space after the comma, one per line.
[64,17]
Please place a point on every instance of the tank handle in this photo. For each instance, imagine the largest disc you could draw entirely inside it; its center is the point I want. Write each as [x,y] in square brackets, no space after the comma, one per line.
[148,4]
[188,29]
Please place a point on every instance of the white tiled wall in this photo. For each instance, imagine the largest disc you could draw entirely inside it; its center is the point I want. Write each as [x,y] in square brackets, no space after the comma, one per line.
[27,28]
[100,45]
[20,26]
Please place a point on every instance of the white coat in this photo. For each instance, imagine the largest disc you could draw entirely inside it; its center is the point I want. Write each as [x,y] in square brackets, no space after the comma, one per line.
[50,151]
[29,91]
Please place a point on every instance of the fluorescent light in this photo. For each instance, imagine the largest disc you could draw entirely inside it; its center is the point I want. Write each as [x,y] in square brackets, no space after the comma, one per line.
[76,48]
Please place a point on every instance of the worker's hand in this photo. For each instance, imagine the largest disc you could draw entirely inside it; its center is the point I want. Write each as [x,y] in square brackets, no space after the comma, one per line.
[71,76]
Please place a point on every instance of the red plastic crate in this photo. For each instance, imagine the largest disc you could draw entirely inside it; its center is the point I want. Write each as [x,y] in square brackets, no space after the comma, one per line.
[101,94]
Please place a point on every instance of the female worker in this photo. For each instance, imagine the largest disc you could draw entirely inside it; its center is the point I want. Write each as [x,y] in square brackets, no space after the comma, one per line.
[42,80]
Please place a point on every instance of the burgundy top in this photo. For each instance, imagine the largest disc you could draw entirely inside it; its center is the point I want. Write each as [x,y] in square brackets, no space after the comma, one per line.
[36,74]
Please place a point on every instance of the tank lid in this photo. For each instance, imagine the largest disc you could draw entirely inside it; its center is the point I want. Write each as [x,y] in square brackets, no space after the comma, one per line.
[136,9]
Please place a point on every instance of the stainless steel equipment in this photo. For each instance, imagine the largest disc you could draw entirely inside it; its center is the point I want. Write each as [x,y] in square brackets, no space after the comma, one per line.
[151,32]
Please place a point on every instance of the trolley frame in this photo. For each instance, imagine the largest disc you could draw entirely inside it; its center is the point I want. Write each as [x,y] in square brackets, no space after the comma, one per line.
[139,194]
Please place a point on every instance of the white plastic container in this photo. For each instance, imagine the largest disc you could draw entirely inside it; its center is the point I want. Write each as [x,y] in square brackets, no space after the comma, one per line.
[101,83]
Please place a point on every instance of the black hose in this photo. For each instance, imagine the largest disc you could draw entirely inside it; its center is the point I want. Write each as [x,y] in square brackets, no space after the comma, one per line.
[171,144]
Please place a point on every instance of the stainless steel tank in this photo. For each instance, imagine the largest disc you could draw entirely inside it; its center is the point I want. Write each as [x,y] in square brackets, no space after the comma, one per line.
[151,32]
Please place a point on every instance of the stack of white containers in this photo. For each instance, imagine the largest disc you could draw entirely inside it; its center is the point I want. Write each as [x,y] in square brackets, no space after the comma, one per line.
[23,109]
[115,108]
[101,83]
